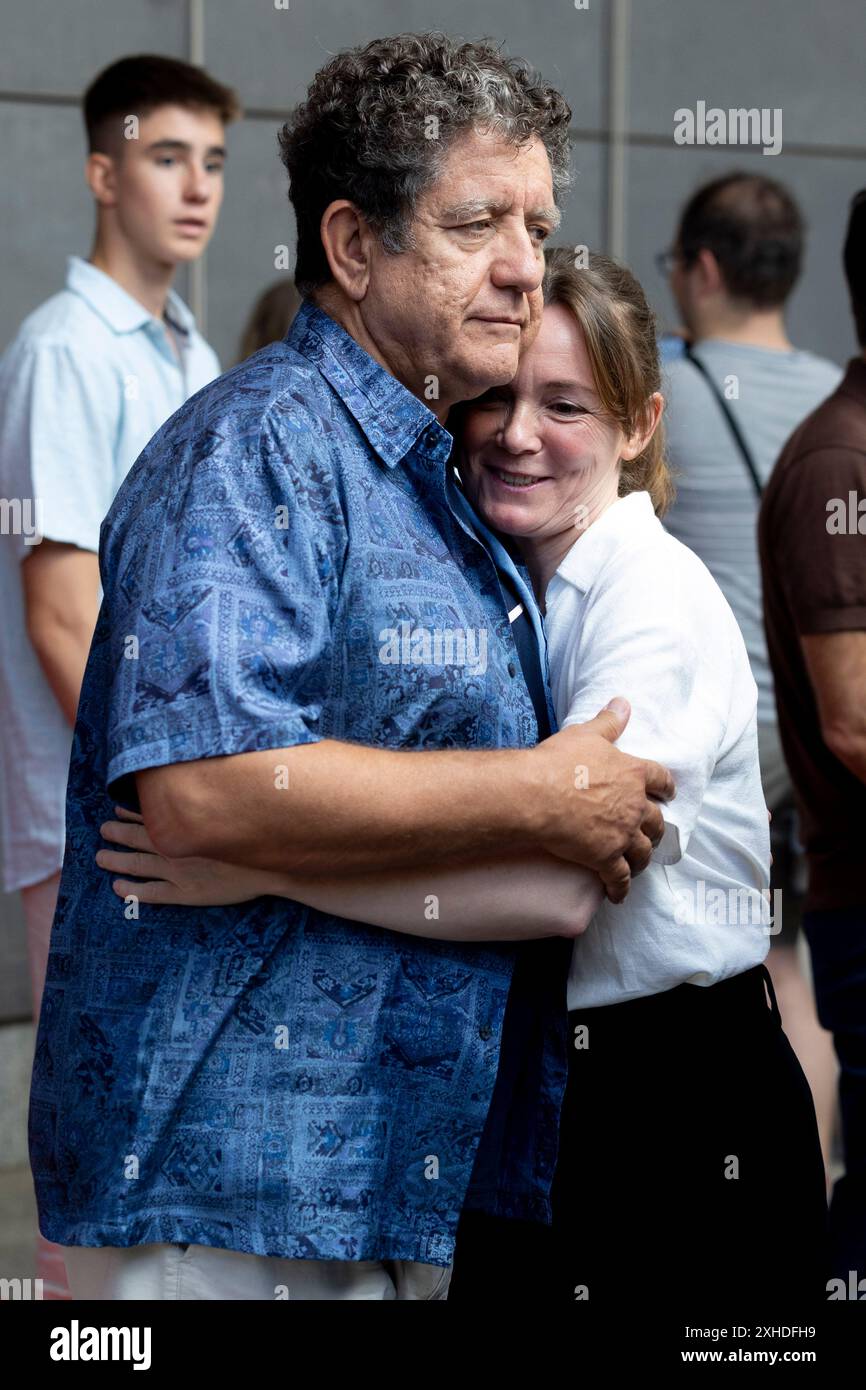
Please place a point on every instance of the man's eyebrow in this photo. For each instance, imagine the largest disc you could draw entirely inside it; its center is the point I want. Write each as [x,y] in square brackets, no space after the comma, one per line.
[464,212]
[475,207]
[551,215]
[184,147]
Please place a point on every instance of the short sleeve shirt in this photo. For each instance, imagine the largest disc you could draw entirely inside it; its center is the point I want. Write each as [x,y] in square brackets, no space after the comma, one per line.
[631,611]
[89,377]
[768,392]
[285,563]
[813,555]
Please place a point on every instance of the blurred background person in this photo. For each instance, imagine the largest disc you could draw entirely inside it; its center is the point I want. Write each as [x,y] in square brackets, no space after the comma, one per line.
[736,389]
[813,557]
[270,318]
[91,374]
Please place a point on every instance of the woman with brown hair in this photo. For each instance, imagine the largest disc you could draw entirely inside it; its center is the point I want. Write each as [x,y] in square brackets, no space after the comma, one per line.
[687,1132]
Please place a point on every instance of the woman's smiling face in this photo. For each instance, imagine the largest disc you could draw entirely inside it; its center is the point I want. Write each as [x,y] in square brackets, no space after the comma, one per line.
[540,457]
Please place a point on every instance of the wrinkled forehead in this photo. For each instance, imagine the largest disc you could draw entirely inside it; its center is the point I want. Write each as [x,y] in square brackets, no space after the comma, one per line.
[482,174]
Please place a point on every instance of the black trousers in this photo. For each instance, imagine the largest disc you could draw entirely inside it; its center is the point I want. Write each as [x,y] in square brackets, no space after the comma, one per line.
[689,1173]
[837,942]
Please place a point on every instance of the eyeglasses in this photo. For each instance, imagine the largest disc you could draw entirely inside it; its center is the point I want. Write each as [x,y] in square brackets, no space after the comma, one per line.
[665,262]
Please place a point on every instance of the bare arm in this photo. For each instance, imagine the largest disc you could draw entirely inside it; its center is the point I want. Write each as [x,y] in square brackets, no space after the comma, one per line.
[511,898]
[516,898]
[836,662]
[333,809]
[61,599]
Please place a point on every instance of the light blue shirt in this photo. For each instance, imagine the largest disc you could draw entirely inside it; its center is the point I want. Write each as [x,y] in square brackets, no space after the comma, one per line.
[89,378]
[768,391]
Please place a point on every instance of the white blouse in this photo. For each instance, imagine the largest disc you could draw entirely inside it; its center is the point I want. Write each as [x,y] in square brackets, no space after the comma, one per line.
[631,611]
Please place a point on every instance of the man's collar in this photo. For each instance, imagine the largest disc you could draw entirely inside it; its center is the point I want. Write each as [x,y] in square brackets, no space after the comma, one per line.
[853,382]
[392,419]
[179,315]
[120,310]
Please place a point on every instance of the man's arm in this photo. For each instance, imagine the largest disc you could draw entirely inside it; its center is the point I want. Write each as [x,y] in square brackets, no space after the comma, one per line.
[348,809]
[511,898]
[61,600]
[821,572]
[836,662]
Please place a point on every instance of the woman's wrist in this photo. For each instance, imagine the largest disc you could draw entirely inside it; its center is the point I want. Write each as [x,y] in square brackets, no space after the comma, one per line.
[271,883]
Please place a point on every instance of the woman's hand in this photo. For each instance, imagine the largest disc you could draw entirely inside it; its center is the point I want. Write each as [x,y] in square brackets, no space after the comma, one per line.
[185,882]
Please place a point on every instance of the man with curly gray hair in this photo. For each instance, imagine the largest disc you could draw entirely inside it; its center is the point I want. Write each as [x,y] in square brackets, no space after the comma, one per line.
[338,676]
[424,175]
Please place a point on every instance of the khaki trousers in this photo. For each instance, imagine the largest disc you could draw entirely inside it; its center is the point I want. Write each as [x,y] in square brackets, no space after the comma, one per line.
[39,902]
[200,1272]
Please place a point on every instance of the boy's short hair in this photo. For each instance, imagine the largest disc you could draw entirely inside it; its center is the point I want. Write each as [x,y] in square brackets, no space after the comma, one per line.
[137,86]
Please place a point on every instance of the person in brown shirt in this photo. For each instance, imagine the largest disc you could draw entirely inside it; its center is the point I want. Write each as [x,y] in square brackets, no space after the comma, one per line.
[812,538]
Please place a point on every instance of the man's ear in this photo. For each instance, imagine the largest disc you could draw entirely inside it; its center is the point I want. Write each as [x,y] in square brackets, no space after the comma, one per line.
[347,240]
[635,445]
[709,273]
[101,178]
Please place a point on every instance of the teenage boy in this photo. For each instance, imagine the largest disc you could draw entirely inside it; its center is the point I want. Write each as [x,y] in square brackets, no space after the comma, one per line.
[90,376]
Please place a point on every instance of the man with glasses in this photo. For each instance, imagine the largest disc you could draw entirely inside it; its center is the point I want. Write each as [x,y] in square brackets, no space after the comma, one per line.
[736,389]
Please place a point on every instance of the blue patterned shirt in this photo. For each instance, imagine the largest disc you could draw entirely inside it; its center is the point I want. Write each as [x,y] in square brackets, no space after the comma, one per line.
[289,560]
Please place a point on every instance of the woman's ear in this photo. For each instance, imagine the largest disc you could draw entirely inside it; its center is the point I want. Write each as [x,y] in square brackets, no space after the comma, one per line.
[637,442]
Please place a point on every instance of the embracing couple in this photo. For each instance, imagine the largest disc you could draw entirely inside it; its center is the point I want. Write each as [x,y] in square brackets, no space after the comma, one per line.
[367,971]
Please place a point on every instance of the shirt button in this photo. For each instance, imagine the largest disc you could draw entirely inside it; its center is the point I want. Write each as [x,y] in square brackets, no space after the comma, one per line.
[512,669]
[485,1033]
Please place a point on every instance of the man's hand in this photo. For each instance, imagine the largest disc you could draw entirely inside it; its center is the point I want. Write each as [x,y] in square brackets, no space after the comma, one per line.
[596,802]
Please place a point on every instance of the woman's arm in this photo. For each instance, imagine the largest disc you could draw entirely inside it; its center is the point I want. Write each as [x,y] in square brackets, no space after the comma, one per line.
[512,898]
[506,899]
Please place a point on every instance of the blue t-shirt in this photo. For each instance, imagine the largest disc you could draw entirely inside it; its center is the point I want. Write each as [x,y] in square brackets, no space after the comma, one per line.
[671,348]
[264,1077]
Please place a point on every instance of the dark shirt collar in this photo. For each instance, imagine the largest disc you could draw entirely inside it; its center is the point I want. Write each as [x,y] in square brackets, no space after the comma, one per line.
[853,382]
[392,419]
